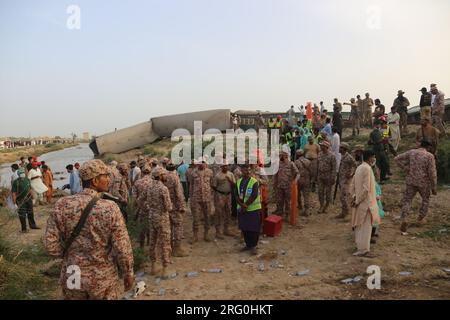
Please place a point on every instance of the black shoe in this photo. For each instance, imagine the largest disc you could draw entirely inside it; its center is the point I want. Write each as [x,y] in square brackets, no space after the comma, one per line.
[35,228]
[373,241]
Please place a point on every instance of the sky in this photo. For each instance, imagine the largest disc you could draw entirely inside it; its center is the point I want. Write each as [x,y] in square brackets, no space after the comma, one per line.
[133,60]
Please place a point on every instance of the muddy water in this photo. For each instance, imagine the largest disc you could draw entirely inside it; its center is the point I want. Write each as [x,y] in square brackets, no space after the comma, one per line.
[57,161]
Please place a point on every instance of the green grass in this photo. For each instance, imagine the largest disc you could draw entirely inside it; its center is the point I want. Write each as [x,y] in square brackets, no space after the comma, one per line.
[20,277]
[437,233]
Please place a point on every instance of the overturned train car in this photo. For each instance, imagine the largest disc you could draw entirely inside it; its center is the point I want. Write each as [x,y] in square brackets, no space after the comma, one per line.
[147,132]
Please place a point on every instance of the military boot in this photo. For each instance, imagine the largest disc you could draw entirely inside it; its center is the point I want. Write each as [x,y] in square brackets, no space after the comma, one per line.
[206,237]
[227,232]
[154,269]
[179,250]
[166,273]
[219,234]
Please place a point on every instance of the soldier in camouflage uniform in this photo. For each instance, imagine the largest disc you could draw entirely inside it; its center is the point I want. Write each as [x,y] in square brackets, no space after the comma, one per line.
[223,184]
[282,183]
[326,175]
[346,171]
[160,206]
[103,234]
[141,187]
[173,183]
[421,177]
[201,198]
[119,187]
[304,182]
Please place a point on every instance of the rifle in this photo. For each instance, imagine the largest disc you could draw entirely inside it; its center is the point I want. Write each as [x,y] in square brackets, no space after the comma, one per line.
[336,188]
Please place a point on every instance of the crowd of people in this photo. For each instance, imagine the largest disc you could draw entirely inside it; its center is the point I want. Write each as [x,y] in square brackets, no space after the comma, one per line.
[88,229]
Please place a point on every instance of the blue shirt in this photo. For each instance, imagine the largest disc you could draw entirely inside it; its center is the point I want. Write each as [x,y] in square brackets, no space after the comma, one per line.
[182,169]
[74,182]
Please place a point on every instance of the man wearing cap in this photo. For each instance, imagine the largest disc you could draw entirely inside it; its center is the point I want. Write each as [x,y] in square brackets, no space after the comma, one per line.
[365,211]
[223,184]
[346,172]
[326,175]
[249,208]
[201,199]
[393,120]
[304,182]
[173,183]
[159,204]
[354,115]
[312,151]
[402,104]
[421,177]
[367,107]
[438,108]
[282,183]
[100,248]
[259,123]
[425,103]
[141,187]
[428,133]
[120,188]
[23,201]
[376,141]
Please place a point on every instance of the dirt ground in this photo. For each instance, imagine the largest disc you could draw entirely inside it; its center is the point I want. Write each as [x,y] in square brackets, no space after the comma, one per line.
[320,244]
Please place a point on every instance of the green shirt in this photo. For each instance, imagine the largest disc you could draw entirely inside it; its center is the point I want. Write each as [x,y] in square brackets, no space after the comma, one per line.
[21,187]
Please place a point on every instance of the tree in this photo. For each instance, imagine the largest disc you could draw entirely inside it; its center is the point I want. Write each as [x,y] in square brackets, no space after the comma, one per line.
[74,137]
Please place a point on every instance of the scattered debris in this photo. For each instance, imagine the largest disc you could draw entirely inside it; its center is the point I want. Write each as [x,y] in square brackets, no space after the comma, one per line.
[443,231]
[264,242]
[283,252]
[261,267]
[140,288]
[272,255]
[141,275]
[243,261]
[172,276]
[446,270]
[301,273]
[274,264]
[352,280]
[192,274]
[404,233]
[213,270]
[161,292]
[405,273]
[157,281]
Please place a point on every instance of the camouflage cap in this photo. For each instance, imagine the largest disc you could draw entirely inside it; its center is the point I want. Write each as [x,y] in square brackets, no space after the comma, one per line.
[359,147]
[93,168]
[146,168]
[325,144]
[157,172]
[299,152]
[123,166]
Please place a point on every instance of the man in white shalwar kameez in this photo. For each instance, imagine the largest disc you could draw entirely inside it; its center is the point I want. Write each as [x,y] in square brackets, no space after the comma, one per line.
[394,127]
[38,187]
[364,206]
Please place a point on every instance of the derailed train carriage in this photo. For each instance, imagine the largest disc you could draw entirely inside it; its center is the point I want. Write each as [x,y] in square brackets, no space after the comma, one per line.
[414,113]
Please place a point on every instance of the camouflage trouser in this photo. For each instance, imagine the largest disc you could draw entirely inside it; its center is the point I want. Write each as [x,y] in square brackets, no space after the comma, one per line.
[369,119]
[160,236]
[438,124]
[314,168]
[284,200]
[198,209]
[101,293]
[403,123]
[408,197]
[344,186]
[222,205]
[304,190]
[143,222]
[355,123]
[176,224]
[325,187]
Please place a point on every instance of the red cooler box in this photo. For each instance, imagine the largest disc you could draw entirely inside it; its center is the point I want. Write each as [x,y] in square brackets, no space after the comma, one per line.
[272,225]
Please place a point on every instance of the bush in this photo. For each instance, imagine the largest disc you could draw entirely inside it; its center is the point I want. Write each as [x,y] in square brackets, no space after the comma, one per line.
[50,145]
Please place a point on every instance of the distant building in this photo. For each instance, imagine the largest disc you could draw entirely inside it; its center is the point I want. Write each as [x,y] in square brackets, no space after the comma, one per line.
[86,136]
